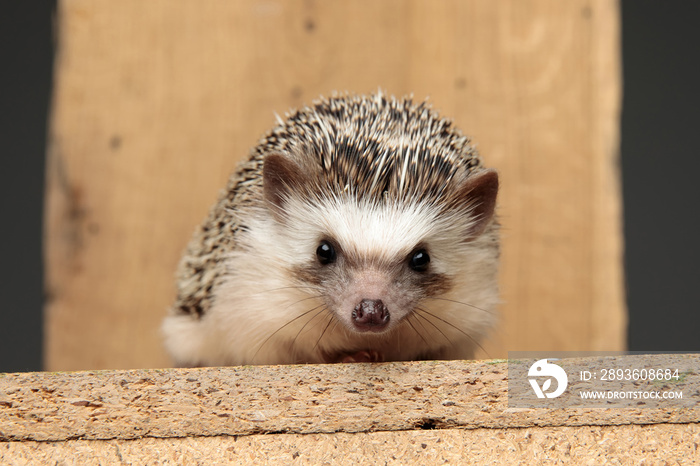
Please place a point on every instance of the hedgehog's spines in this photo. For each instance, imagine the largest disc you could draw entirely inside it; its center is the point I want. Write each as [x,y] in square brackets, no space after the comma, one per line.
[347,131]
[374,148]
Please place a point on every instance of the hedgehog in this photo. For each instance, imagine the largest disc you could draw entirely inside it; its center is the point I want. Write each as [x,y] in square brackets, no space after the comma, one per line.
[362,228]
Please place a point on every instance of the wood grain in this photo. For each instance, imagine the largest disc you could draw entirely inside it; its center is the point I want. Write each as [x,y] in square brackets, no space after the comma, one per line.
[155,102]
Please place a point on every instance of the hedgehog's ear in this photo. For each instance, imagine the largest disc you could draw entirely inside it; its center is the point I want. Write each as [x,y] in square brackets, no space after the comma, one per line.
[281,176]
[478,194]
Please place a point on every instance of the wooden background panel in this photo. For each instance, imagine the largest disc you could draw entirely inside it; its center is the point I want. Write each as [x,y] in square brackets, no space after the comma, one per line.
[154,103]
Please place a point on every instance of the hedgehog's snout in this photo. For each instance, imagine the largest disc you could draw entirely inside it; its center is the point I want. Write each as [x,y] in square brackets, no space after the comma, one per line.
[370,315]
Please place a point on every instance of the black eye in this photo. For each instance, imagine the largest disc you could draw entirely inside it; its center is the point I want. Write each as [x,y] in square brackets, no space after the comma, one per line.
[419,260]
[325,253]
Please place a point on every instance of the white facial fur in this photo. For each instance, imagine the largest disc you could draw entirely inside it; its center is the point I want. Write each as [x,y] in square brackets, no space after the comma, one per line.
[279,318]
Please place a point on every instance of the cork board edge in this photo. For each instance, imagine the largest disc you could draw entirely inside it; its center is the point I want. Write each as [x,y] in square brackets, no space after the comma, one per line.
[598,444]
[306,399]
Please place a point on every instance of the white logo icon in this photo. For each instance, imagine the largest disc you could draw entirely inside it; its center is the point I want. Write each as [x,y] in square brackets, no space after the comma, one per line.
[542,368]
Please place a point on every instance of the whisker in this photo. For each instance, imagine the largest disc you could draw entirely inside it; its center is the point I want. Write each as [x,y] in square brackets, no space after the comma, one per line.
[455,327]
[279,329]
[292,287]
[309,321]
[336,322]
[330,320]
[421,323]
[408,321]
[302,300]
[433,324]
[460,302]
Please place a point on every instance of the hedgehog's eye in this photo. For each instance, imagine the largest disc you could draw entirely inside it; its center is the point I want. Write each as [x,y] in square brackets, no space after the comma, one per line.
[419,260]
[325,253]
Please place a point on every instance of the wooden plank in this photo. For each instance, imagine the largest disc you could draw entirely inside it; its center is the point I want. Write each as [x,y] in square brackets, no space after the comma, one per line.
[305,399]
[155,102]
[633,444]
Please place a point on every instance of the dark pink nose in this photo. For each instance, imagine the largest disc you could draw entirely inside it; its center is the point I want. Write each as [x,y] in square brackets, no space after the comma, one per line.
[371,315]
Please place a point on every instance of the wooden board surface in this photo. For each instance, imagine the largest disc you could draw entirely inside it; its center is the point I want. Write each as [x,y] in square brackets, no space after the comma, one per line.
[155,102]
[305,399]
[632,444]
[398,413]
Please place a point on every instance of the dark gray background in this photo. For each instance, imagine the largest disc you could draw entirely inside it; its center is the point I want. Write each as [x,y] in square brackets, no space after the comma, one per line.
[660,154]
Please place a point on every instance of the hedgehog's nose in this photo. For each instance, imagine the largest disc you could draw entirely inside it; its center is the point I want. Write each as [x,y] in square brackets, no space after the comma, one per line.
[371,315]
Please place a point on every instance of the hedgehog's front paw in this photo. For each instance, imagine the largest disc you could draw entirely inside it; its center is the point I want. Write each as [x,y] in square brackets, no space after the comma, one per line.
[363,356]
